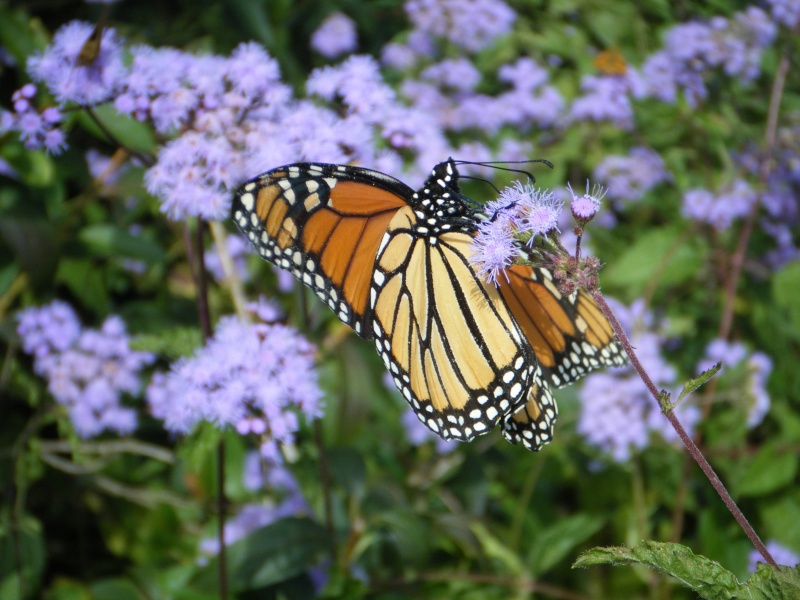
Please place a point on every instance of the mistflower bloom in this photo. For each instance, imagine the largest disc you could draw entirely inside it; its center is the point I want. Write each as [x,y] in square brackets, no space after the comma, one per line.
[88,370]
[335,36]
[59,67]
[606,98]
[537,209]
[732,202]
[785,12]
[618,415]
[469,24]
[357,82]
[494,248]
[254,377]
[782,555]
[37,130]
[630,177]
[585,207]
[454,73]
[757,367]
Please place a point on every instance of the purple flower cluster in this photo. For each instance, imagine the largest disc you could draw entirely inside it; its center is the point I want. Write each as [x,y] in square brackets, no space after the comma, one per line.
[618,415]
[252,376]
[36,129]
[733,202]
[335,36]
[73,78]
[781,554]
[630,177]
[88,370]
[607,98]
[469,24]
[785,12]
[693,50]
[519,214]
[756,365]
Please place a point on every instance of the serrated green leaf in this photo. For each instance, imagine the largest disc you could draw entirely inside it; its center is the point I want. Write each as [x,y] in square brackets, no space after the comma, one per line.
[770,470]
[769,583]
[706,577]
[552,544]
[109,240]
[269,555]
[698,381]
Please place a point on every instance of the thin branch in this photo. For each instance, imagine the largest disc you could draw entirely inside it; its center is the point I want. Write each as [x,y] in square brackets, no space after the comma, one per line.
[676,425]
[232,280]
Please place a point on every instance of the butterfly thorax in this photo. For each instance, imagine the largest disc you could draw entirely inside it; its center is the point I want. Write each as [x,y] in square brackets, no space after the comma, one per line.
[439,206]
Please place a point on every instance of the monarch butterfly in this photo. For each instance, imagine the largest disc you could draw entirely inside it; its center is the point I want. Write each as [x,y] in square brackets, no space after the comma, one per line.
[394,265]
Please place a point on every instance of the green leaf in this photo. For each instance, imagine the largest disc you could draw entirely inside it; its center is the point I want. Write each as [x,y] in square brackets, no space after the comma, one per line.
[348,469]
[269,555]
[33,244]
[170,343]
[553,544]
[706,577]
[695,383]
[130,132]
[784,291]
[770,470]
[769,583]
[22,553]
[115,589]
[86,282]
[661,255]
[110,240]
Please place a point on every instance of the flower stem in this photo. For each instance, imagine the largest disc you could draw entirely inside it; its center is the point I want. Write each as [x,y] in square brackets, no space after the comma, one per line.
[694,451]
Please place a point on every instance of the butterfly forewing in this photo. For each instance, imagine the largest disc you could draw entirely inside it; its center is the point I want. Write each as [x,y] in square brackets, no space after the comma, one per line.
[323,223]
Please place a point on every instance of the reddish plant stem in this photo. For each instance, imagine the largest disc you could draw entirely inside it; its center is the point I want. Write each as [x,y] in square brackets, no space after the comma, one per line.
[694,451]
[195,252]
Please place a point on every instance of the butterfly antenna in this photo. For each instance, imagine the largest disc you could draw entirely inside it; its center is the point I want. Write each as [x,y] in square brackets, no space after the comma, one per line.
[497,165]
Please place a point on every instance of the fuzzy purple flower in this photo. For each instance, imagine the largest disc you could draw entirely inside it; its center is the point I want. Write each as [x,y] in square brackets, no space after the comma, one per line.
[630,177]
[605,98]
[60,68]
[254,377]
[618,414]
[733,202]
[585,207]
[88,370]
[35,129]
[494,248]
[785,12]
[469,24]
[335,36]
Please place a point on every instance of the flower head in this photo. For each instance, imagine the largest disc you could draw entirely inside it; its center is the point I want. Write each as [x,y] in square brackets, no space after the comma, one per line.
[585,207]
[335,36]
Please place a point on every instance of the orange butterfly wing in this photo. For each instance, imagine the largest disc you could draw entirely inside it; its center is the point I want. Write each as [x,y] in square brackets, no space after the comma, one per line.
[323,223]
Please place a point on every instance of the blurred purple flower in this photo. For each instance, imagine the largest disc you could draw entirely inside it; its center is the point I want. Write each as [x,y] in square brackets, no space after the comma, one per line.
[781,554]
[36,130]
[605,98]
[757,365]
[785,12]
[88,370]
[454,73]
[86,84]
[335,36]
[469,24]
[693,49]
[251,376]
[733,202]
[238,250]
[618,414]
[630,177]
